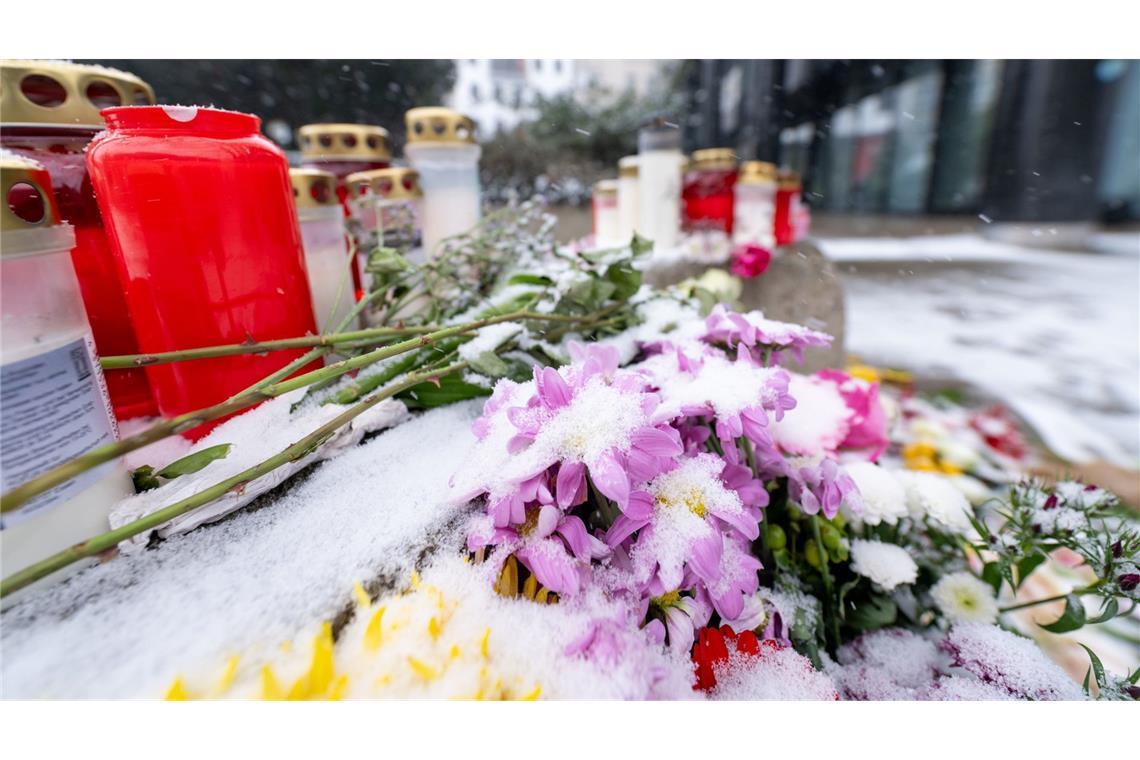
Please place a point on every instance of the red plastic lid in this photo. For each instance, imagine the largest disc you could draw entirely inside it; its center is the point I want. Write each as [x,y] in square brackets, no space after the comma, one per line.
[181,119]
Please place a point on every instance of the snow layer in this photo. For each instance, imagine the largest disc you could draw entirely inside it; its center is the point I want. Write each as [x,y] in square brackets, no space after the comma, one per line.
[1054,335]
[125,628]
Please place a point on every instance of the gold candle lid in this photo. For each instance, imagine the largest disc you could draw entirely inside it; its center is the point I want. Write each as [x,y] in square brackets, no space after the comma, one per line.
[606,188]
[628,166]
[353,142]
[757,173]
[313,188]
[439,125]
[788,179]
[714,159]
[28,200]
[61,93]
[393,183]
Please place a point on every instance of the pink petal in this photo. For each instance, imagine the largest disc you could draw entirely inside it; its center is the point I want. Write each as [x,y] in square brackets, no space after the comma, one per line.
[657,442]
[548,518]
[571,478]
[704,556]
[551,565]
[610,478]
[552,389]
[639,506]
[622,529]
[577,539]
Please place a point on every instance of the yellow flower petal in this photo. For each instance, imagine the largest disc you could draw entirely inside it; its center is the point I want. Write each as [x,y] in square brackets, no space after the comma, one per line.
[373,633]
[362,597]
[228,674]
[177,691]
[484,642]
[422,669]
[534,695]
[270,687]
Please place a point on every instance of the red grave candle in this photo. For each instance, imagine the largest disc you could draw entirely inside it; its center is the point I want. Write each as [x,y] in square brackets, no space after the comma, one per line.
[788,211]
[199,211]
[708,190]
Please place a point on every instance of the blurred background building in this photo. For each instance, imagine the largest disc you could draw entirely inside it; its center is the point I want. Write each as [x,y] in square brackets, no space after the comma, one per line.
[1055,141]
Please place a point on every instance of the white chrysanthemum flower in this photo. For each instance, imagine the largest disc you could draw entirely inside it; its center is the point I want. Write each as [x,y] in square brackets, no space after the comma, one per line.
[884,499]
[963,598]
[935,496]
[886,564]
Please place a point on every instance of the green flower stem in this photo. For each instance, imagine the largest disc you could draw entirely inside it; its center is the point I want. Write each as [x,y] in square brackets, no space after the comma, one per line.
[832,629]
[1075,592]
[306,445]
[360,338]
[183,422]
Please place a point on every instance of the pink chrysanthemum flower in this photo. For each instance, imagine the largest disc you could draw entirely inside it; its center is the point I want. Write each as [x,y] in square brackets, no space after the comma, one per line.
[757,334]
[822,486]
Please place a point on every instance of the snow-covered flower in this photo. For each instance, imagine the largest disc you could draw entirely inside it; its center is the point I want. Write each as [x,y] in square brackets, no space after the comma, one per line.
[756,333]
[883,498]
[679,519]
[684,614]
[867,426]
[888,565]
[964,598]
[936,497]
[820,421]
[1008,661]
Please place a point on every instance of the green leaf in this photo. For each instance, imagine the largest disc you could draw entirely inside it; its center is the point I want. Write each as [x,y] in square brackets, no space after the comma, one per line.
[875,612]
[1107,613]
[448,390]
[490,364]
[1085,683]
[1006,572]
[1097,667]
[530,279]
[625,278]
[991,574]
[194,462]
[144,479]
[1027,565]
[1071,619]
[639,245]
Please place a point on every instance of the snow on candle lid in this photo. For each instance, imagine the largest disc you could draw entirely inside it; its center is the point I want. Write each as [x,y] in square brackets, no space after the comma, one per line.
[439,125]
[358,142]
[62,93]
[628,166]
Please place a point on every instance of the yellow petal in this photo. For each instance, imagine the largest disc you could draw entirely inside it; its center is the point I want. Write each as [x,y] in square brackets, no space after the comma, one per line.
[270,688]
[415,579]
[434,627]
[362,597]
[322,669]
[422,669]
[373,633]
[534,695]
[177,691]
[455,651]
[339,688]
[530,587]
[227,679]
[484,642]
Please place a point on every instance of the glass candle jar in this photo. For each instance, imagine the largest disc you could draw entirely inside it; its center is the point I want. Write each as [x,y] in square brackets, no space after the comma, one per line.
[54,404]
[386,212]
[754,206]
[708,190]
[660,163]
[200,214]
[627,198]
[344,149]
[328,260]
[788,211]
[605,207]
[50,113]
[441,147]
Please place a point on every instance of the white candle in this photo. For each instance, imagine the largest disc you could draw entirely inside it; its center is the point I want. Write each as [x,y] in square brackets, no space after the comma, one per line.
[660,164]
[605,206]
[441,148]
[627,198]
[329,264]
[754,204]
[54,406]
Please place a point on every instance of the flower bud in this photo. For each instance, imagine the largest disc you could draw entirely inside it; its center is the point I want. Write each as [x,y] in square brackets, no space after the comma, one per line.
[776,538]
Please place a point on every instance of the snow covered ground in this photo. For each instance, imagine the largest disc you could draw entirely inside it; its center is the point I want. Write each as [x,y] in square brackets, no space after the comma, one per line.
[1054,335]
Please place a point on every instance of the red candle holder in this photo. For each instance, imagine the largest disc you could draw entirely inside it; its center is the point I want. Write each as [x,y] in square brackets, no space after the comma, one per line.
[788,212]
[51,112]
[708,190]
[199,211]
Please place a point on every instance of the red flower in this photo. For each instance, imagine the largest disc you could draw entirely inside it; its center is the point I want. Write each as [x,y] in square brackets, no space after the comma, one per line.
[1000,431]
[713,646]
[750,260]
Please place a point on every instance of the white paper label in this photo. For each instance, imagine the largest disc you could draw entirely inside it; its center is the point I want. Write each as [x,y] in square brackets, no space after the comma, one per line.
[52,409]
